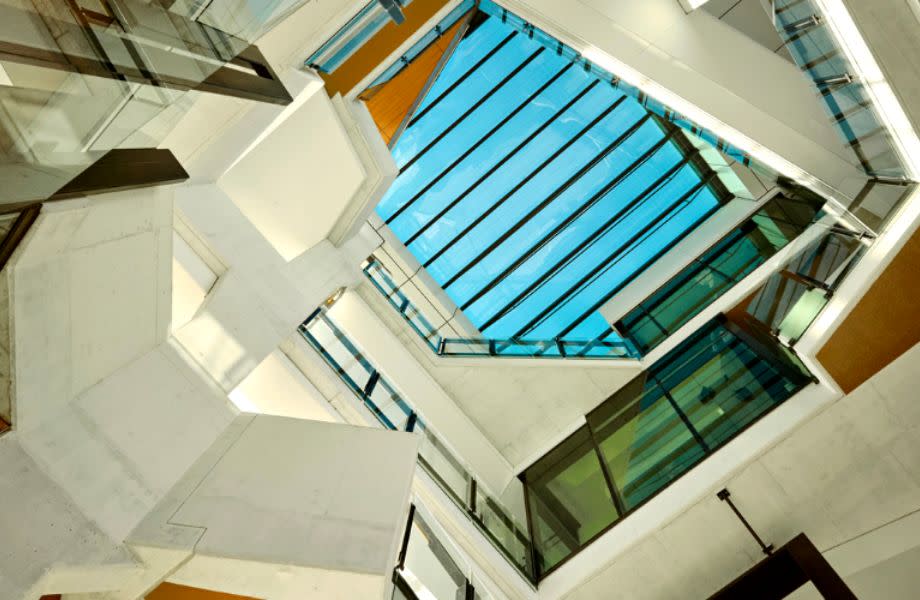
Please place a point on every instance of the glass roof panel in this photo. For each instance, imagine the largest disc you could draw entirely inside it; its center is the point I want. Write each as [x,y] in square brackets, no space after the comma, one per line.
[532,191]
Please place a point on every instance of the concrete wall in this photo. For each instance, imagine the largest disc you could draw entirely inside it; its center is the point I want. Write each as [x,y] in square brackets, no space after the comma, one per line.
[296,182]
[261,299]
[279,508]
[106,260]
[43,528]
[277,387]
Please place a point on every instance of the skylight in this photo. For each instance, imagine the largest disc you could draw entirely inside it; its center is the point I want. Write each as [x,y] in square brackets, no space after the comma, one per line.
[532,191]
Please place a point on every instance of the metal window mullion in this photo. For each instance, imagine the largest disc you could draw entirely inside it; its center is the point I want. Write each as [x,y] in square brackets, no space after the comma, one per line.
[567,221]
[554,195]
[590,239]
[450,205]
[561,300]
[476,105]
[661,221]
[472,149]
[536,171]
[463,77]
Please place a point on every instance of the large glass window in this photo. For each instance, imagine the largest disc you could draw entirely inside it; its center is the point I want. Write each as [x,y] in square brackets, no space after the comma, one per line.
[726,263]
[652,431]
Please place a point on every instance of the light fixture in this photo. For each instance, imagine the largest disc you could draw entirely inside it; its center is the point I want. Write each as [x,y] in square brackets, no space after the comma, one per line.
[334,297]
[691,5]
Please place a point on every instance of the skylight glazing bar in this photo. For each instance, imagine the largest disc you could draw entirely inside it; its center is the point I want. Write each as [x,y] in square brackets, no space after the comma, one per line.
[524,104]
[448,206]
[562,299]
[603,154]
[463,77]
[595,235]
[526,180]
[530,252]
[604,299]
[473,108]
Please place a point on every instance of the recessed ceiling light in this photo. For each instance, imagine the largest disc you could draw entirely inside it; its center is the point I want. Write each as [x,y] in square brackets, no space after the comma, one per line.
[692,4]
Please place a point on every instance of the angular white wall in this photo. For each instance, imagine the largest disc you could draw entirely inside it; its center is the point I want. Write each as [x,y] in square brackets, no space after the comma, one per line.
[280,508]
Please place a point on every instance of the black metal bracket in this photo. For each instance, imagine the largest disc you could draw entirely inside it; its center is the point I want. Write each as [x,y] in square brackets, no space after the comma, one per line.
[725,496]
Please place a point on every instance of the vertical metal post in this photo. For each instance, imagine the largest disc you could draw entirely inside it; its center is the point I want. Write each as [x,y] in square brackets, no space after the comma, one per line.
[411,422]
[725,496]
[471,501]
[401,562]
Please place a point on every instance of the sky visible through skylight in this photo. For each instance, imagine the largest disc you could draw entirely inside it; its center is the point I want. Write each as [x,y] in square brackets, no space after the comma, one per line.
[532,192]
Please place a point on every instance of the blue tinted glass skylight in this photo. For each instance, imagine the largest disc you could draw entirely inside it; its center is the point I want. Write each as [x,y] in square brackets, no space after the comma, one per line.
[531,191]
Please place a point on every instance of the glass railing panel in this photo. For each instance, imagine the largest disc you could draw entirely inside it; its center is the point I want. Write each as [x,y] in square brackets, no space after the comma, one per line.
[498,524]
[472,347]
[658,427]
[442,465]
[245,19]
[338,350]
[792,298]
[390,406]
[421,45]
[354,34]
[428,568]
[508,532]
[804,30]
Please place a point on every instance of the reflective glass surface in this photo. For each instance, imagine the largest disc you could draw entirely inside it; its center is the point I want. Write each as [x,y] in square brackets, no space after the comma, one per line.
[652,431]
[807,36]
[716,271]
[606,349]
[531,190]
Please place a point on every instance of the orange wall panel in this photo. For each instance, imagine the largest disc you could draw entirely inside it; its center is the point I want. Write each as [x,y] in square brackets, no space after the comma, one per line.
[390,104]
[171,591]
[378,48]
[883,325]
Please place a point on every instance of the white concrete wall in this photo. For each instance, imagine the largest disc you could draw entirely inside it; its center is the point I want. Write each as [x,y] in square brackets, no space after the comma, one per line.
[91,290]
[42,528]
[277,387]
[279,508]
[298,180]
[261,299]
[192,279]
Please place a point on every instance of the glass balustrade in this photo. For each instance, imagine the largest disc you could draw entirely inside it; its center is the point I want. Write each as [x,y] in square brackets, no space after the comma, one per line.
[508,348]
[791,299]
[499,524]
[806,34]
[89,76]
[351,36]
